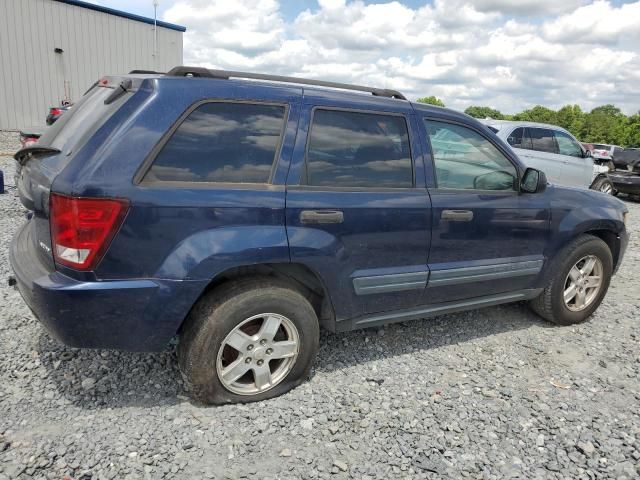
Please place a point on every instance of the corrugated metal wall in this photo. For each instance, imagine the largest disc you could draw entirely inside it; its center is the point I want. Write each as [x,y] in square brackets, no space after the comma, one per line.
[33,77]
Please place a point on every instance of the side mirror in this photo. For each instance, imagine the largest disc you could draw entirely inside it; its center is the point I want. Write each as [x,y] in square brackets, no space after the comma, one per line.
[533,181]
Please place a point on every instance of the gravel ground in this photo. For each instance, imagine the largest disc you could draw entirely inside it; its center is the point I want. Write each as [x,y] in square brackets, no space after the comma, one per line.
[493,393]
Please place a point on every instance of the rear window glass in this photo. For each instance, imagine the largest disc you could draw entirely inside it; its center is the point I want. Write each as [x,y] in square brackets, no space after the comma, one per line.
[542,140]
[75,126]
[353,149]
[601,147]
[223,143]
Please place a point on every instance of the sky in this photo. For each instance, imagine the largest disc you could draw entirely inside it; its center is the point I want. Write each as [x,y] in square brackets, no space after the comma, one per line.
[506,54]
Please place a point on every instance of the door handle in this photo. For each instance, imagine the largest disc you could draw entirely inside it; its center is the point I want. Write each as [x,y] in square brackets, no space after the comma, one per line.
[457,215]
[321,216]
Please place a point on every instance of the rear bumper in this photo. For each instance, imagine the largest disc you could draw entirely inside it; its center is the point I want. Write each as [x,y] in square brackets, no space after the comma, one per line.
[134,315]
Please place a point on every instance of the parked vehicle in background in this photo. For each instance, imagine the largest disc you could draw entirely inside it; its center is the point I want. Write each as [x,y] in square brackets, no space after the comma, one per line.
[626,157]
[30,135]
[241,212]
[588,148]
[555,151]
[627,180]
[55,113]
[605,153]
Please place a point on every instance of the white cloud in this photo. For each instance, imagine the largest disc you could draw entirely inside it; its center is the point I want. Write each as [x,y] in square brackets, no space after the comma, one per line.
[489,52]
[599,23]
[528,7]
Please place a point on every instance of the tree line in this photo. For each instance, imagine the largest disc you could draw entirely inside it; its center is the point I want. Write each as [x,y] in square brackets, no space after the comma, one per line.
[603,124]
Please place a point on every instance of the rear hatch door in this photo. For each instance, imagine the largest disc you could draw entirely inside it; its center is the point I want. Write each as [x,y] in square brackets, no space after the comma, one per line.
[38,165]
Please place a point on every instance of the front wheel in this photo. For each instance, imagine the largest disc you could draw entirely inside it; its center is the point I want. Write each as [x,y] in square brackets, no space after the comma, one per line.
[578,284]
[603,185]
[248,341]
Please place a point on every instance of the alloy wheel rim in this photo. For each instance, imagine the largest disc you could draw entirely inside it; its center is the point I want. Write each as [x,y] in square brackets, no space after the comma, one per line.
[258,354]
[583,283]
[606,188]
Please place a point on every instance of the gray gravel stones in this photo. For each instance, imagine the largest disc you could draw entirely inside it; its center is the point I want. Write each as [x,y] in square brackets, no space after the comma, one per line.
[490,394]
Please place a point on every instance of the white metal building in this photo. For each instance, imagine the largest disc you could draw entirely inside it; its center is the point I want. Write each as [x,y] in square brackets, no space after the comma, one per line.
[53,50]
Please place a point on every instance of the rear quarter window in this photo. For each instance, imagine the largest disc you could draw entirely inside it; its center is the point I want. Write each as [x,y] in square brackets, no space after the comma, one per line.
[222,142]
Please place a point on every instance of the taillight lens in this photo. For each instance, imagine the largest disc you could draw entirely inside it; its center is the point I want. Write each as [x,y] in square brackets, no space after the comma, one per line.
[55,111]
[82,228]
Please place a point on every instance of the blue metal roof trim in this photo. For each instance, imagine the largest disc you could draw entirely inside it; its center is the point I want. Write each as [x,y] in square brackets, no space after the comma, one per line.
[120,13]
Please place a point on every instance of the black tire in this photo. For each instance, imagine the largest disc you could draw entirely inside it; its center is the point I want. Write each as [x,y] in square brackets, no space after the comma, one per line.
[550,303]
[603,183]
[219,312]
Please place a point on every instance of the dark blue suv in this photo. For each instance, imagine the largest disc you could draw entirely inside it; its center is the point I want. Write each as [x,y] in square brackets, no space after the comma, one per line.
[242,212]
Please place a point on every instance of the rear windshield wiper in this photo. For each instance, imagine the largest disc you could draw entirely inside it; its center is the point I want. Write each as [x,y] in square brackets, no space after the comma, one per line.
[24,155]
[122,88]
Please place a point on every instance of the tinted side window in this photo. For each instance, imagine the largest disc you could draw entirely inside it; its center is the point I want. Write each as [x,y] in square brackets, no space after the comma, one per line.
[567,145]
[519,138]
[464,159]
[222,142]
[542,140]
[353,149]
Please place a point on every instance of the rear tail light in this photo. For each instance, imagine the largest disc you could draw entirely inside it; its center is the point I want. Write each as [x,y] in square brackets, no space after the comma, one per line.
[55,111]
[82,228]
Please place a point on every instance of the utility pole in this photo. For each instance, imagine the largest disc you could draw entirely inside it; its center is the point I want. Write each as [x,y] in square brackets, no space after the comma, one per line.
[155,34]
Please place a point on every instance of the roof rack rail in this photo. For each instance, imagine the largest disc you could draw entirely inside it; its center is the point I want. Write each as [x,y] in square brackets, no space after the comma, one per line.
[183,71]
[144,71]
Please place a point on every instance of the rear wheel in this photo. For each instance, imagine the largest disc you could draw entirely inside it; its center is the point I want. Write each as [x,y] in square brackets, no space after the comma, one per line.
[578,284]
[248,341]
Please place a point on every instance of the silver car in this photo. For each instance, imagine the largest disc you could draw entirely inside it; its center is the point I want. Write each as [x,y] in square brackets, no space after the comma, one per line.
[555,151]
[605,152]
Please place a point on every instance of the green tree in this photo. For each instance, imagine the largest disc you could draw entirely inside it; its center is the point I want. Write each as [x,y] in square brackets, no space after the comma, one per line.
[605,124]
[484,112]
[572,118]
[432,100]
[537,114]
[632,131]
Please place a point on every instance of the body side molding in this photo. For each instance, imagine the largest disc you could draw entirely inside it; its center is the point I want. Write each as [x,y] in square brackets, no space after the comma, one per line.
[395,282]
[456,276]
[437,309]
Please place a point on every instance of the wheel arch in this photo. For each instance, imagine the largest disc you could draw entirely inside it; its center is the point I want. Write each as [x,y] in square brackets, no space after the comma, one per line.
[300,277]
[608,236]
[612,240]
